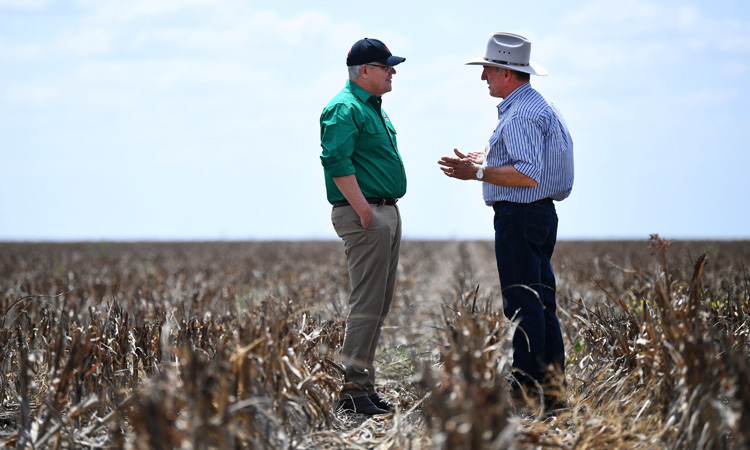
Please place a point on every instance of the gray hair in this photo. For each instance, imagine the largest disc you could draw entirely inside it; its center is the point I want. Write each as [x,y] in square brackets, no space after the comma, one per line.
[354,72]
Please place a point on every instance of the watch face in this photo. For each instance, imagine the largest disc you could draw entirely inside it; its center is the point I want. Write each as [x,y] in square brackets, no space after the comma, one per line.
[480,174]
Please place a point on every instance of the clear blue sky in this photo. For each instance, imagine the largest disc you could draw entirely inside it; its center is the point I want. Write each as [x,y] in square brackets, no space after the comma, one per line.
[198,119]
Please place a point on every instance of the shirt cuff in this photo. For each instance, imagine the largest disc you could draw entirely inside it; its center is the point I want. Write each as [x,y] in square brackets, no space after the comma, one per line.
[339,169]
[529,170]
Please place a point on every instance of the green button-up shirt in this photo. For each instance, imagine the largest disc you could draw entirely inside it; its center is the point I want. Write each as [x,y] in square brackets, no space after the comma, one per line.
[358,138]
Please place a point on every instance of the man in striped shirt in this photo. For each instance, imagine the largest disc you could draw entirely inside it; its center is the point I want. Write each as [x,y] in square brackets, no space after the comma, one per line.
[527,164]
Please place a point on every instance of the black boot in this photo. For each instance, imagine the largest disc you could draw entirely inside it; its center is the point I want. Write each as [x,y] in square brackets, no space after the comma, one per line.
[360,405]
[380,403]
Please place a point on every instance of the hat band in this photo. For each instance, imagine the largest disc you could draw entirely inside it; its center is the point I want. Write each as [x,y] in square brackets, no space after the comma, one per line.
[507,63]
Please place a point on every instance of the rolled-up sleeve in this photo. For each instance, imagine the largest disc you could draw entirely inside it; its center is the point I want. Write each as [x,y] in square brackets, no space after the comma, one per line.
[338,135]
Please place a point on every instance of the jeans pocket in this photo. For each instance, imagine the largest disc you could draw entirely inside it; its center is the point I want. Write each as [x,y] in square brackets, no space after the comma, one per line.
[538,224]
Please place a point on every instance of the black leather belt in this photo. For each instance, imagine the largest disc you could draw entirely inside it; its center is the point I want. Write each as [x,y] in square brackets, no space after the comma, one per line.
[372,201]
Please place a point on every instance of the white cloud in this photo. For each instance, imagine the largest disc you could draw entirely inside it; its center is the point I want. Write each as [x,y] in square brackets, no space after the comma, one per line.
[297,30]
[688,17]
[603,37]
[168,73]
[85,42]
[24,4]
[737,41]
[737,69]
[209,23]
[130,10]
[19,51]
[623,17]
[245,34]
[36,94]
[219,39]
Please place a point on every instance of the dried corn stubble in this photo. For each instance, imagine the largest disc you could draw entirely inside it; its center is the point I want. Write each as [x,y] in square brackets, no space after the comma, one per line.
[228,344]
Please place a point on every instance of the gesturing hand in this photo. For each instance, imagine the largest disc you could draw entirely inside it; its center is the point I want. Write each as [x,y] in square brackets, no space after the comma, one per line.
[461,167]
[476,157]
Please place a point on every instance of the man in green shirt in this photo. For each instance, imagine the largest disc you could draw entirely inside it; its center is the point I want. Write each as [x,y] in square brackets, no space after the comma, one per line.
[364,178]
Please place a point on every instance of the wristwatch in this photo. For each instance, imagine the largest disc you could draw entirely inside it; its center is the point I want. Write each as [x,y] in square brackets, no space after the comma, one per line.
[480,174]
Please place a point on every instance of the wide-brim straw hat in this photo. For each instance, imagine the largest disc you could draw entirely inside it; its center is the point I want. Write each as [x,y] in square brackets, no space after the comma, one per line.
[509,51]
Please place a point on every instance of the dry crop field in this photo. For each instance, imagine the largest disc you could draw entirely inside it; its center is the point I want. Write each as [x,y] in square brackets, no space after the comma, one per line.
[234,345]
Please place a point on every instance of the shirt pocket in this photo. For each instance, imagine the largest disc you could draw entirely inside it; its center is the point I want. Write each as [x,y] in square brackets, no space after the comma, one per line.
[494,139]
[372,129]
[372,135]
[492,154]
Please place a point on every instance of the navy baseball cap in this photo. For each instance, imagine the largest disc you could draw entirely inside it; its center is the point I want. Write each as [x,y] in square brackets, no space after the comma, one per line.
[368,50]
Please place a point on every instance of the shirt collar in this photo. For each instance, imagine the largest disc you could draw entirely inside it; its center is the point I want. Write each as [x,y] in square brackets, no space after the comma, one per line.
[358,92]
[518,92]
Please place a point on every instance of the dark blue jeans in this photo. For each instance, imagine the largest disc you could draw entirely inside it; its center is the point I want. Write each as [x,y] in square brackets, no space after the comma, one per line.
[525,237]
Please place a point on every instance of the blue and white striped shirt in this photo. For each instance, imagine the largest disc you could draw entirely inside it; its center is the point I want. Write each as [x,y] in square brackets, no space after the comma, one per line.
[531,136]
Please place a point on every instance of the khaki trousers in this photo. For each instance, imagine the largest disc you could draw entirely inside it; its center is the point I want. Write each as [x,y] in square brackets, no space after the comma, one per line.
[372,257]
